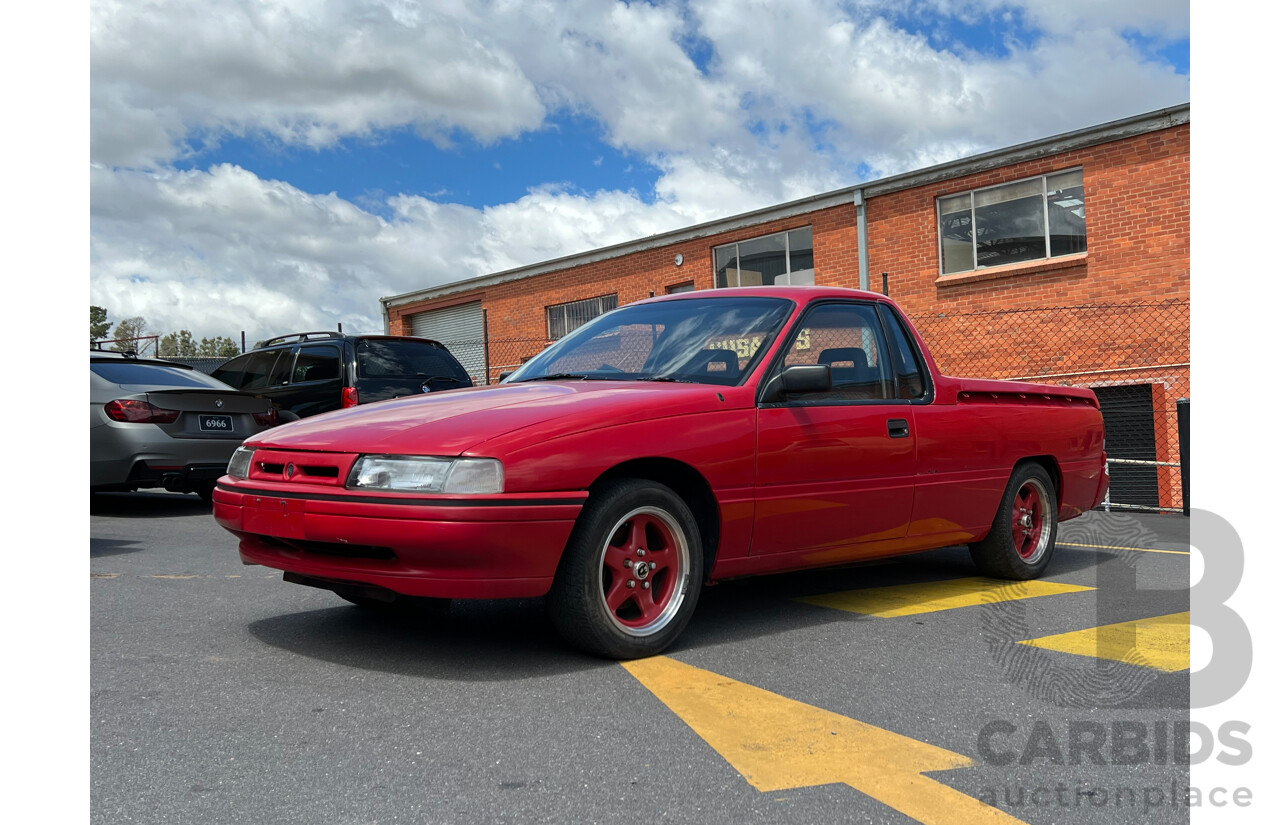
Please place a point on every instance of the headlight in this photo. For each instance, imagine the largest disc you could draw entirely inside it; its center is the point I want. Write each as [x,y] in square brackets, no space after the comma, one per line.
[426,475]
[240,462]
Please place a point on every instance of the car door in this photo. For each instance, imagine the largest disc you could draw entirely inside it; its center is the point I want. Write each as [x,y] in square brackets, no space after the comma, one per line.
[835,468]
[314,380]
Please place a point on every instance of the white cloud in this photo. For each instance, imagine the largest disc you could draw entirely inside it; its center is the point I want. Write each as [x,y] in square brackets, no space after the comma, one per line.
[303,72]
[222,251]
[797,98]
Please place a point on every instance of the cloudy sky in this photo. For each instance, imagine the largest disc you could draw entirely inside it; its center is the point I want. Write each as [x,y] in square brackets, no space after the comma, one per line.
[276,165]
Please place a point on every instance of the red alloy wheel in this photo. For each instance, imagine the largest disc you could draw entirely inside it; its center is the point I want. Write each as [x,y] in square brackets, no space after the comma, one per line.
[1030,536]
[644,571]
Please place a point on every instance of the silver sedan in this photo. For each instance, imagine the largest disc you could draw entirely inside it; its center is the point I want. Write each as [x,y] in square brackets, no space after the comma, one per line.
[161,424]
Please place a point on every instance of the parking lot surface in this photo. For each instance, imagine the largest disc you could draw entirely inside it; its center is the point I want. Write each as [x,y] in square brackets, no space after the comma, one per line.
[904,691]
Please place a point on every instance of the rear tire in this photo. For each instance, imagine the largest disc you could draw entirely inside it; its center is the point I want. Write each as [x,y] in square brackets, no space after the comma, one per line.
[631,572]
[1025,530]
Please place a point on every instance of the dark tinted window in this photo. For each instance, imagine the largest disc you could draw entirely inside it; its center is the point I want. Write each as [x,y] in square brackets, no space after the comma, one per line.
[910,374]
[249,371]
[123,372]
[407,359]
[317,364]
[283,369]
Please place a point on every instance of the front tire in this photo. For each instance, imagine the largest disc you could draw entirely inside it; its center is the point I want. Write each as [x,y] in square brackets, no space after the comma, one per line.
[631,572]
[1025,530]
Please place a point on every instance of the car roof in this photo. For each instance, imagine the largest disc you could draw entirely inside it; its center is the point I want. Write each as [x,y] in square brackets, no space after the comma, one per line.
[322,335]
[799,294]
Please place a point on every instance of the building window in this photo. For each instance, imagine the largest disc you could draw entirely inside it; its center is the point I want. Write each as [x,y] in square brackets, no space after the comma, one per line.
[1027,220]
[563,319]
[675,289]
[774,260]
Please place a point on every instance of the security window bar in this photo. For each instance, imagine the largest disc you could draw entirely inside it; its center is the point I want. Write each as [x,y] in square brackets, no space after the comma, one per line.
[563,319]
[1027,220]
[772,260]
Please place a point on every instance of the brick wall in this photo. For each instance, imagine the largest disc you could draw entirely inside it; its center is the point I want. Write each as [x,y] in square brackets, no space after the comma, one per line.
[1137,202]
[1137,195]
[1137,214]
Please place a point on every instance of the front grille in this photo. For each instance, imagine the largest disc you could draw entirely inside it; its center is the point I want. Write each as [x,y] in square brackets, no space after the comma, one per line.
[301,467]
[301,471]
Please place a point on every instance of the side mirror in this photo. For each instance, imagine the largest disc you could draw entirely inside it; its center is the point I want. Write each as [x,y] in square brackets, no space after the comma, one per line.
[798,380]
[503,376]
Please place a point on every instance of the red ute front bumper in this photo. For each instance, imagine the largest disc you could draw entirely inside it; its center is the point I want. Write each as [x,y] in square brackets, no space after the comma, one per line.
[463,547]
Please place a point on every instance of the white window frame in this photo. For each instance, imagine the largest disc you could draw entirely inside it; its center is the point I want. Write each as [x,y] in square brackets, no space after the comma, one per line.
[593,308]
[786,247]
[973,235]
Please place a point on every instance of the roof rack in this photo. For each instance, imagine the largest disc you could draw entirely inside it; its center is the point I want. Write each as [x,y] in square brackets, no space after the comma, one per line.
[298,337]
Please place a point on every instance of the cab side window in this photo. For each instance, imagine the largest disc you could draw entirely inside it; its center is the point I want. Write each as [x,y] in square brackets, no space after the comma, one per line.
[317,364]
[847,338]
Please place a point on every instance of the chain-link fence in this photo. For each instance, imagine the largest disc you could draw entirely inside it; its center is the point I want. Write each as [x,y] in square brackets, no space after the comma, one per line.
[1135,356]
[205,365]
[486,361]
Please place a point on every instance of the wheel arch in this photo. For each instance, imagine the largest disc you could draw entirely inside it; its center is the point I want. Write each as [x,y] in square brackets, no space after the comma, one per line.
[1050,465]
[687,483]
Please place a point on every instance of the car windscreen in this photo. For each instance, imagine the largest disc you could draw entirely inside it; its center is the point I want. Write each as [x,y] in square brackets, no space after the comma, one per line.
[125,372]
[711,340]
[391,359]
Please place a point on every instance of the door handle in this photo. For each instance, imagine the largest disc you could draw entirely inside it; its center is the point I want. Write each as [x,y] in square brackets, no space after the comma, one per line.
[898,428]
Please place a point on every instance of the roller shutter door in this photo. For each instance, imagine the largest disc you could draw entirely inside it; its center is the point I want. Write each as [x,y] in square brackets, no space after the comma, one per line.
[459,328]
[1129,416]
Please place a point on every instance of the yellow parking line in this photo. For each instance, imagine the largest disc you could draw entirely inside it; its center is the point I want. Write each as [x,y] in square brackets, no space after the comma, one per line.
[930,597]
[1139,549]
[777,743]
[1161,642]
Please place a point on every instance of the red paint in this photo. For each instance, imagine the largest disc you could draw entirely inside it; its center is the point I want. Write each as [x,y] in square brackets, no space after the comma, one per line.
[793,486]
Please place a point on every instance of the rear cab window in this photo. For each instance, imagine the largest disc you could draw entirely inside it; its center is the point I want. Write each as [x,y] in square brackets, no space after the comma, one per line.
[911,383]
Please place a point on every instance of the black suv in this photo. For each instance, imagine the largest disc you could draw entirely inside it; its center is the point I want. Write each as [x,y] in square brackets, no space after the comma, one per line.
[313,372]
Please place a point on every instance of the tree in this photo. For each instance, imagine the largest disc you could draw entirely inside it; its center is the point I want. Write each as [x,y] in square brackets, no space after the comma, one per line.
[128,331]
[180,344]
[218,347]
[98,323]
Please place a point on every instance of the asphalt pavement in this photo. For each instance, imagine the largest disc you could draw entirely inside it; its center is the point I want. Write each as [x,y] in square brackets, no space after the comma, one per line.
[221,694]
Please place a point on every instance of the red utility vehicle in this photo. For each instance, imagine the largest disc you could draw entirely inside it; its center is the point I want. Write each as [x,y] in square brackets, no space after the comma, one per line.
[670,443]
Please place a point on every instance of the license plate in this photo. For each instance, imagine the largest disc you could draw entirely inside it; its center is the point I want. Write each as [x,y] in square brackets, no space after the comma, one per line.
[215,424]
[272,518]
